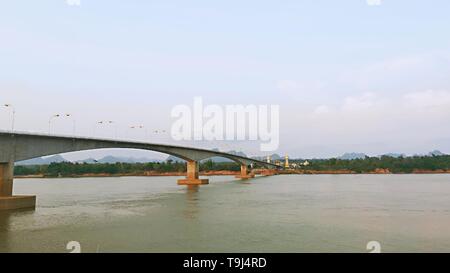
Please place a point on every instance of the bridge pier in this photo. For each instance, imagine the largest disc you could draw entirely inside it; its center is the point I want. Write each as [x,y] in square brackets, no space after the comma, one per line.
[192,177]
[245,173]
[7,200]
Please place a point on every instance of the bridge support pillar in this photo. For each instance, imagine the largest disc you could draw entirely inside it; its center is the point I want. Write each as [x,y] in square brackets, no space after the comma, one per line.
[192,177]
[7,200]
[244,173]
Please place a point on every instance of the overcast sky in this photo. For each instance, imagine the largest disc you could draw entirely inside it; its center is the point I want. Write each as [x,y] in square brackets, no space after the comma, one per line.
[348,76]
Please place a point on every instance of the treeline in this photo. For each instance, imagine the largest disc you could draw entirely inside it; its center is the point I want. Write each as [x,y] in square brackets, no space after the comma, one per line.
[370,164]
[73,169]
[366,165]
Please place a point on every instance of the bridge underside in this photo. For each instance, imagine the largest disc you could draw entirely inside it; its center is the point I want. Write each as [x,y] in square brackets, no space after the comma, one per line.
[8,201]
[18,147]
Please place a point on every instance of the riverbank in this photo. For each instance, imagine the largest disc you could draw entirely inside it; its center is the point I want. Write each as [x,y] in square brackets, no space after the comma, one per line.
[376,171]
[233,173]
[368,165]
[150,174]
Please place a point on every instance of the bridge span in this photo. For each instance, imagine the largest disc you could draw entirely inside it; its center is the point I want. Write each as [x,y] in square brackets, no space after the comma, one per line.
[15,146]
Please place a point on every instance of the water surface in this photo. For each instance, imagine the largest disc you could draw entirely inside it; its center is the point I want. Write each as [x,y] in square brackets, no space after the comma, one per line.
[304,213]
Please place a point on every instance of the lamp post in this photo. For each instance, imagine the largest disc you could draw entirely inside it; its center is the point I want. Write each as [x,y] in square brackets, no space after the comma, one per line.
[138,127]
[158,134]
[13,114]
[115,127]
[107,122]
[95,127]
[50,122]
[74,123]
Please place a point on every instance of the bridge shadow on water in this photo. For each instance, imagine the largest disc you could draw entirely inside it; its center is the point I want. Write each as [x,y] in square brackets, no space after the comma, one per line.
[192,199]
[192,195]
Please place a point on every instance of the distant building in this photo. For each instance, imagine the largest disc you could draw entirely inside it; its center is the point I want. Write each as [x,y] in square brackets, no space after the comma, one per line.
[286,162]
[297,165]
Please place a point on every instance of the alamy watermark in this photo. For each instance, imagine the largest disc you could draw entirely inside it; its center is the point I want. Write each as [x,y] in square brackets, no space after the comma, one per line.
[73,2]
[230,122]
[374,2]
[374,247]
[74,247]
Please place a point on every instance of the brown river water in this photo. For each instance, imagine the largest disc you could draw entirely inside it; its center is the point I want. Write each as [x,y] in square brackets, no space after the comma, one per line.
[285,213]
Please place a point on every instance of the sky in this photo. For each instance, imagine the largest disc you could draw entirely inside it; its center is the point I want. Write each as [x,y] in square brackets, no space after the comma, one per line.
[349,76]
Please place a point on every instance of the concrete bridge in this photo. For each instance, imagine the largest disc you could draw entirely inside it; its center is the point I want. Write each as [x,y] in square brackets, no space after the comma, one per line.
[22,146]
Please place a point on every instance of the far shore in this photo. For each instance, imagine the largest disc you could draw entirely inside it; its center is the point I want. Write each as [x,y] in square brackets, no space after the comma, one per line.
[231,173]
[156,174]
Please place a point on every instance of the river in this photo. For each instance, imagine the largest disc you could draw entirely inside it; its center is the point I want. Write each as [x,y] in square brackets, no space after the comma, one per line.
[286,213]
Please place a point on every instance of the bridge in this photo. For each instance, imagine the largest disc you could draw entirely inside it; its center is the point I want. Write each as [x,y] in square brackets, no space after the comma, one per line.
[16,147]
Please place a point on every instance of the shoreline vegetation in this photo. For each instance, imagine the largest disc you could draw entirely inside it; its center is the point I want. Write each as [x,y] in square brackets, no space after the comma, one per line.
[368,165]
[220,173]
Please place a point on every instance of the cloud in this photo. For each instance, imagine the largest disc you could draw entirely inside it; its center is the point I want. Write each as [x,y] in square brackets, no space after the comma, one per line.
[430,99]
[406,72]
[374,2]
[294,85]
[414,113]
[409,104]
[362,102]
[322,109]
[288,85]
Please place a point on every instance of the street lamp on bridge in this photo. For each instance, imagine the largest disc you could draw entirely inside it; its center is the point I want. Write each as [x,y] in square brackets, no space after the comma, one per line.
[13,114]
[106,122]
[50,122]
[74,123]
[139,127]
[158,135]
[59,116]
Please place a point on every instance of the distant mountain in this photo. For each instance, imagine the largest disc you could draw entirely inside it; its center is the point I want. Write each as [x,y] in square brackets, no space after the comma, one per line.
[88,160]
[107,159]
[435,153]
[276,157]
[273,157]
[216,159]
[394,155]
[42,160]
[352,156]
[174,159]
[432,153]
[219,159]
[113,159]
[237,153]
